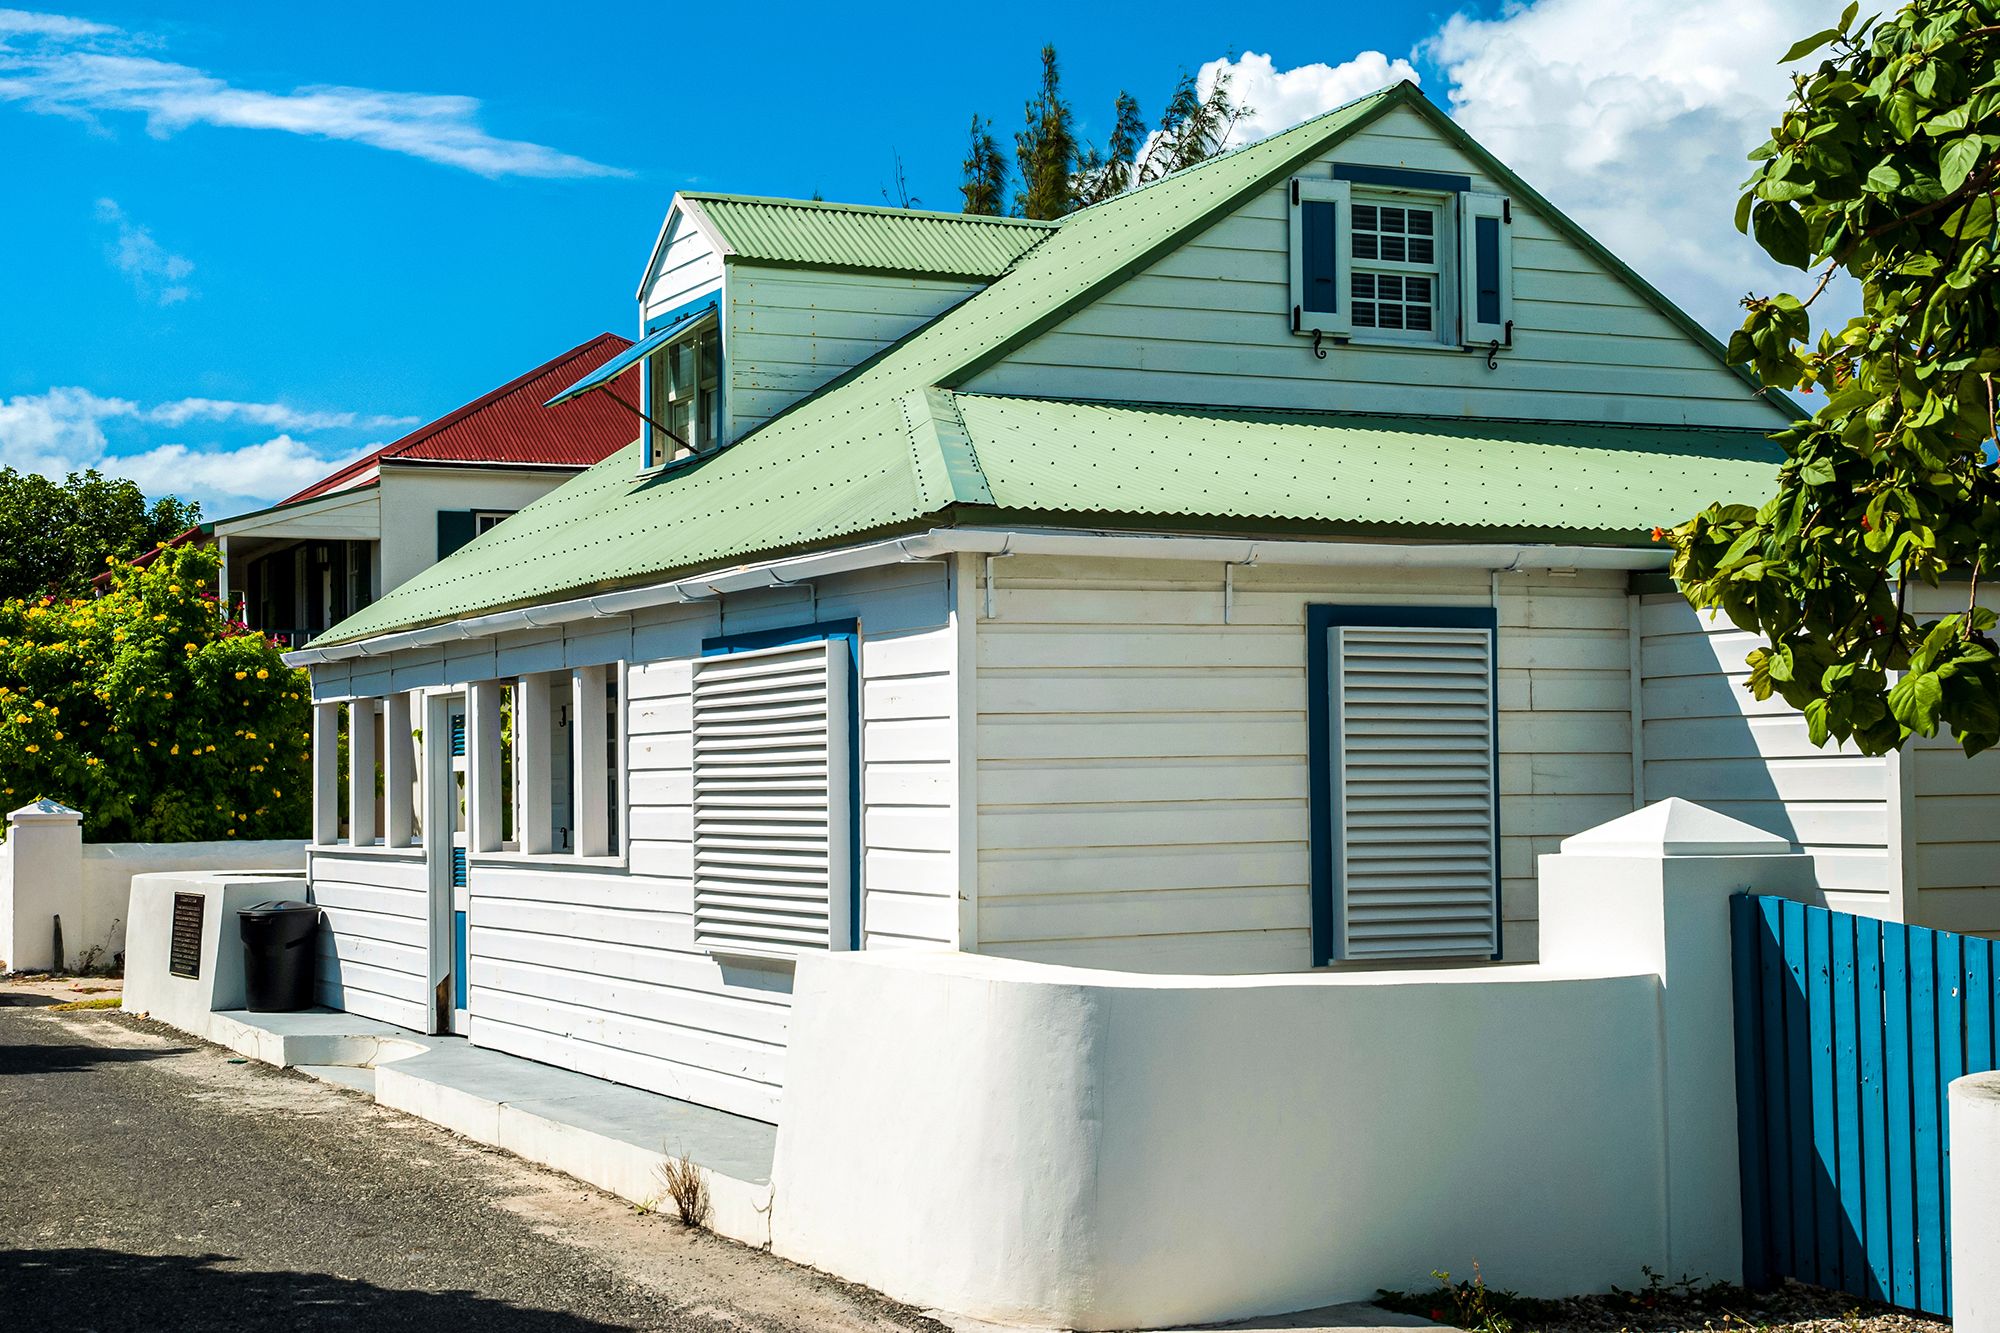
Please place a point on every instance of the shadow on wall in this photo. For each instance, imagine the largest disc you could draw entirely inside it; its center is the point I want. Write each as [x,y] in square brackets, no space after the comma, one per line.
[1707,740]
[111,1289]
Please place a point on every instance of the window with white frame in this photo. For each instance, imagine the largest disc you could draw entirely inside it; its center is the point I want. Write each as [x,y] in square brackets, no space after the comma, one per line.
[775,770]
[684,395]
[559,792]
[485,520]
[1404,257]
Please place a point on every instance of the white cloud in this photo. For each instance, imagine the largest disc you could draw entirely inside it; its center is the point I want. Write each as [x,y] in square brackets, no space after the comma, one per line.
[71,67]
[275,416]
[1279,99]
[224,479]
[1635,119]
[69,429]
[155,273]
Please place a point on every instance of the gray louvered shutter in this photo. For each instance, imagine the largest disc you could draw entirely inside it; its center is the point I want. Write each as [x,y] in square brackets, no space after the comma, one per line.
[1414,791]
[771,800]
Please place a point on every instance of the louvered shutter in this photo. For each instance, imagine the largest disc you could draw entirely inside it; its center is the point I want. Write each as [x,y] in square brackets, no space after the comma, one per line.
[771,799]
[1414,791]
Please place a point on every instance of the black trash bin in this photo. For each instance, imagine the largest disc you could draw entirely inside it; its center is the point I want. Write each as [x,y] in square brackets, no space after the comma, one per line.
[278,955]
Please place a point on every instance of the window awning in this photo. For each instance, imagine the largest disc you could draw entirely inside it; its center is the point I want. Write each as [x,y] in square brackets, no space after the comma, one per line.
[669,327]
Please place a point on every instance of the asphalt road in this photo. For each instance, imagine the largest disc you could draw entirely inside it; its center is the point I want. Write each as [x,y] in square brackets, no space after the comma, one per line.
[147,1182]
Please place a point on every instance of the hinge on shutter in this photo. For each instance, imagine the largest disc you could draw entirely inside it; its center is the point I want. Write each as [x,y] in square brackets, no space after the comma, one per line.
[1295,319]
[1295,191]
[1507,211]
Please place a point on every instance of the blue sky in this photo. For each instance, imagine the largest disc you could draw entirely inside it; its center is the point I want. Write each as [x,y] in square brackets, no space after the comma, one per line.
[244,242]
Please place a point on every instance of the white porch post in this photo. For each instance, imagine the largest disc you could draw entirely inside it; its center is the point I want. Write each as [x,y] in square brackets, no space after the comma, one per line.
[361,772]
[593,834]
[534,727]
[1649,893]
[483,722]
[326,773]
[399,771]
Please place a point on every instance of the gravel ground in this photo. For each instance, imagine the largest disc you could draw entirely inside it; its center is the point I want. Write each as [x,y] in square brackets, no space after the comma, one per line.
[1668,1308]
[147,1181]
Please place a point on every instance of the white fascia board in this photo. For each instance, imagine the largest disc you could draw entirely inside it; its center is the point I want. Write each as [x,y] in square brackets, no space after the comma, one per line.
[941,542]
[271,522]
[690,210]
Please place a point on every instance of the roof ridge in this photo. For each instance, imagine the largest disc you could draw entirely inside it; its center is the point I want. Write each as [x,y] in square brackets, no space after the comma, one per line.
[942,456]
[880,210]
[428,429]
[1224,156]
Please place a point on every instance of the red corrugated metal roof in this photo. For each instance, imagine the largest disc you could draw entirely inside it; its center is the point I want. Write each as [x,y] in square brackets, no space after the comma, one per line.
[510,425]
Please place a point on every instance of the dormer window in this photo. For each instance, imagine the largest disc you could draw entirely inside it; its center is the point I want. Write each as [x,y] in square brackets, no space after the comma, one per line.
[683,387]
[1413,258]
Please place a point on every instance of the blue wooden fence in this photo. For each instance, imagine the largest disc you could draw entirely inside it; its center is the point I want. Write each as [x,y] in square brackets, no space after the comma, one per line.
[1848,1029]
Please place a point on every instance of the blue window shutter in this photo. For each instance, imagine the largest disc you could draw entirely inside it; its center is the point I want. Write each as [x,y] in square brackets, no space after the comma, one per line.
[458,867]
[1320,256]
[455,529]
[1486,258]
[1486,269]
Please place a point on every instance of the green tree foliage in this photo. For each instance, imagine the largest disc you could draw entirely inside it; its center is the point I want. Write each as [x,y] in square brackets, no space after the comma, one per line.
[985,172]
[1885,166]
[1060,173]
[1046,149]
[55,537]
[147,711]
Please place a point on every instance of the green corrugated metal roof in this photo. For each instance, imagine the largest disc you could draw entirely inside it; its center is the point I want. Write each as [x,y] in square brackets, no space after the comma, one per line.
[932,455]
[882,446]
[814,234]
[1606,483]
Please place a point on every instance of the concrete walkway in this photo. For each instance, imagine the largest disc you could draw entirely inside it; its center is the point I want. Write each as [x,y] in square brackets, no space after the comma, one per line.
[150,1183]
[612,1136]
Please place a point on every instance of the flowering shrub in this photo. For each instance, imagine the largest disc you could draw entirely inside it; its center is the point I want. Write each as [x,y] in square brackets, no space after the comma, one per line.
[150,713]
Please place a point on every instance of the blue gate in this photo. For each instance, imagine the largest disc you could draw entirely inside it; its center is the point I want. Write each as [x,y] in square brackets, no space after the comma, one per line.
[1848,1029]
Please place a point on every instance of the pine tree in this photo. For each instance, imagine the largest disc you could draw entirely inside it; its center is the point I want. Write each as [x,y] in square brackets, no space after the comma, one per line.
[1106,175]
[985,183]
[1047,149]
[1192,129]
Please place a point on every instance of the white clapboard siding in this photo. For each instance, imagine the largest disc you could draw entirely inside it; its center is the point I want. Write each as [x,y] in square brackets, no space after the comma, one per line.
[1415,791]
[771,800]
[791,330]
[1706,740]
[1209,323]
[684,267]
[1143,782]
[373,950]
[1952,852]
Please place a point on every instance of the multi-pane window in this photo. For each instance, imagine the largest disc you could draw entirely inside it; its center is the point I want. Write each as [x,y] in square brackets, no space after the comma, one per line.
[1396,271]
[1408,257]
[686,398]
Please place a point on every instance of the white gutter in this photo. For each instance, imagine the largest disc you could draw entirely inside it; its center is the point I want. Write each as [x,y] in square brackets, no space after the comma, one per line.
[941,542]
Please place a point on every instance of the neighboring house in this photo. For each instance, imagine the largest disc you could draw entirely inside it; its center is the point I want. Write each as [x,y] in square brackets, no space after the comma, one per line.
[302,565]
[1238,576]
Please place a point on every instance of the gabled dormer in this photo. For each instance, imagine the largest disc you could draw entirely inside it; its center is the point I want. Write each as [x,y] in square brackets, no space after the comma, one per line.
[749,304]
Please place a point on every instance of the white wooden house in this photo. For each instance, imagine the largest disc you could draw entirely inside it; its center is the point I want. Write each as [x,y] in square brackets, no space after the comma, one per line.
[1244,575]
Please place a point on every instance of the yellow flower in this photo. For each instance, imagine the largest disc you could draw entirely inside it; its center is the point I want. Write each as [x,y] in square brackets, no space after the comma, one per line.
[21,717]
[161,616]
[262,674]
[58,735]
[152,745]
[173,587]
[241,674]
[188,646]
[175,750]
[251,735]
[53,710]
[170,694]
[40,704]
[276,792]
[232,833]
[34,749]
[90,762]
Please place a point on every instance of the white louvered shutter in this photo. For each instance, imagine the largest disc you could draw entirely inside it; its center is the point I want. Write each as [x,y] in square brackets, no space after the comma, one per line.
[771,800]
[1414,791]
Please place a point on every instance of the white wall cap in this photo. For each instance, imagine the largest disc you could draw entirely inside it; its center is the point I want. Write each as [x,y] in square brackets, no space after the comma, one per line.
[1674,827]
[44,811]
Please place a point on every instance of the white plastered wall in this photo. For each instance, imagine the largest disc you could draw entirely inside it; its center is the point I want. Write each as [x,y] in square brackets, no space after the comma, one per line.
[412,496]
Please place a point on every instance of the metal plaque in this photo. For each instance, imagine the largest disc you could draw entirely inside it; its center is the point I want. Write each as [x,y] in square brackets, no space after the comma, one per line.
[184,950]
